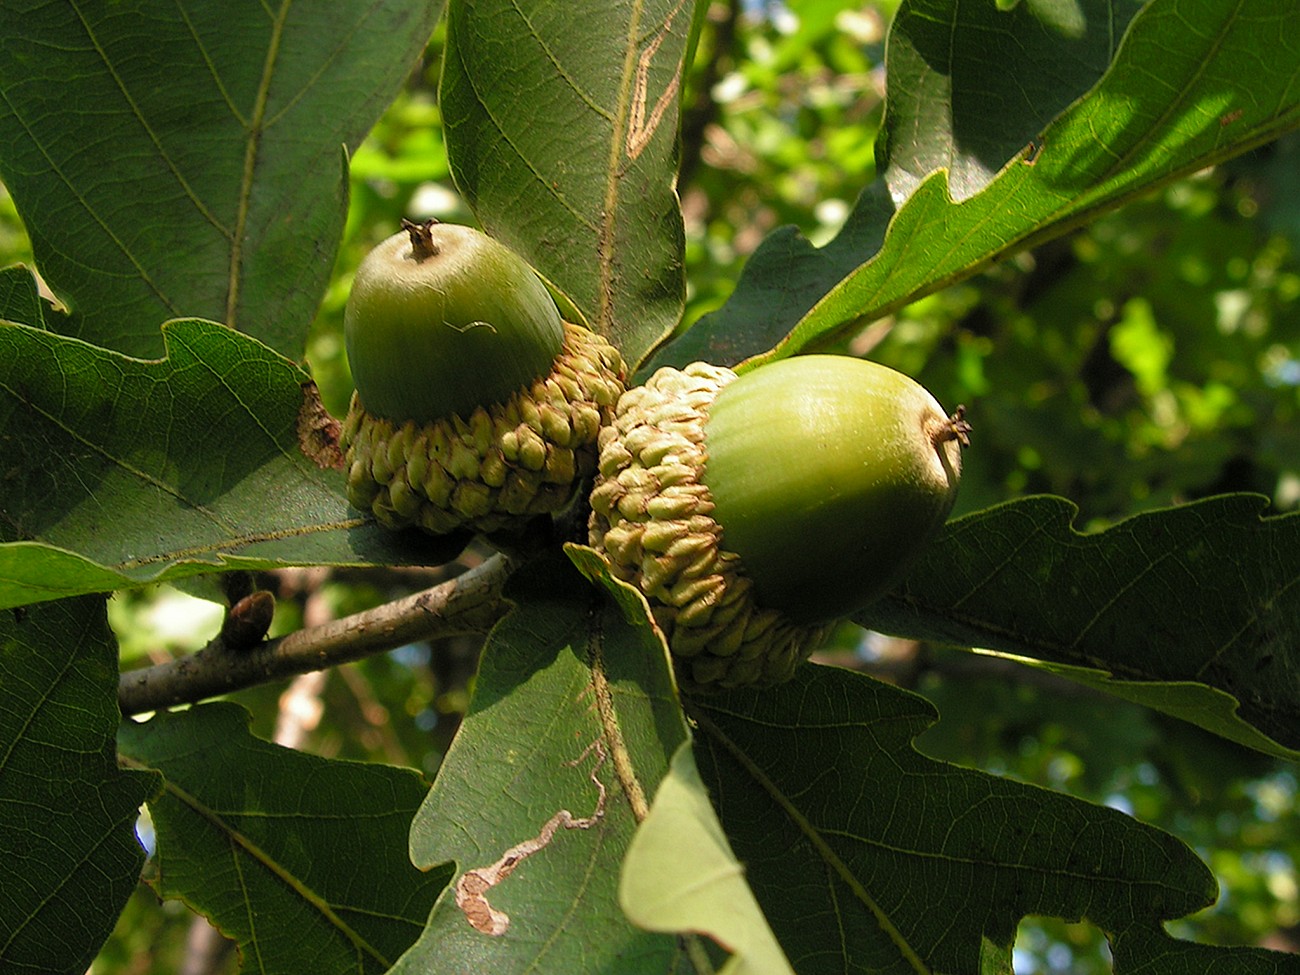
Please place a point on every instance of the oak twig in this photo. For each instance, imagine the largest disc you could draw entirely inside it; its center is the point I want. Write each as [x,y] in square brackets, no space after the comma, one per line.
[467,605]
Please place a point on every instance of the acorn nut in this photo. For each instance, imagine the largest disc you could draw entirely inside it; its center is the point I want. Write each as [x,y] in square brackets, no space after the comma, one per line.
[756,511]
[476,406]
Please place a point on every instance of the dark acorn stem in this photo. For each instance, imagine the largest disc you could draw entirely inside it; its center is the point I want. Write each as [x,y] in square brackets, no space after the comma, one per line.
[954,427]
[422,245]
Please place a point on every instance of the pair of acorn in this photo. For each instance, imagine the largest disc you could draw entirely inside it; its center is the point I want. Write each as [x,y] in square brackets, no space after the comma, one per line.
[753,511]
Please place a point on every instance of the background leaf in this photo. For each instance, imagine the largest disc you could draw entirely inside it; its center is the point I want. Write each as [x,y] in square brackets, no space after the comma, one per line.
[120,471]
[1200,704]
[19,299]
[1231,68]
[526,751]
[1205,593]
[587,194]
[205,179]
[247,830]
[67,812]
[867,856]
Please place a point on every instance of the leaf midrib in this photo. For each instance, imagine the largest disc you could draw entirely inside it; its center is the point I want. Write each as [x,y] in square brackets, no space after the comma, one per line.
[252,144]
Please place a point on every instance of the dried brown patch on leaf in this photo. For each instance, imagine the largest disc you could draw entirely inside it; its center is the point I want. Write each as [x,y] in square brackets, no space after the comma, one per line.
[318,431]
[472,887]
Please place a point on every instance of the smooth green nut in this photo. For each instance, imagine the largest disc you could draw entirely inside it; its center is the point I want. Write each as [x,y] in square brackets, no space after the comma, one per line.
[441,319]
[829,474]
[476,406]
[755,511]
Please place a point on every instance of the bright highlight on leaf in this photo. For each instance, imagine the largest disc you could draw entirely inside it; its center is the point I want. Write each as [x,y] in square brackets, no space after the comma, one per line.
[681,877]
[1171,102]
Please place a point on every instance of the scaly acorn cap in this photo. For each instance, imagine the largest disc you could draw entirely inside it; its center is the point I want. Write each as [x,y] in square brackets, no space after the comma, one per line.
[521,435]
[755,511]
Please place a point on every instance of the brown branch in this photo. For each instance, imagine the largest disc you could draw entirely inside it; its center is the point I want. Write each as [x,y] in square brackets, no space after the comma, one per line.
[467,605]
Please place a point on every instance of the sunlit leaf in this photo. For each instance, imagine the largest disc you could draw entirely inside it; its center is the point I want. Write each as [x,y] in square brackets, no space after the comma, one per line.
[971,86]
[681,877]
[569,733]
[561,124]
[1194,82]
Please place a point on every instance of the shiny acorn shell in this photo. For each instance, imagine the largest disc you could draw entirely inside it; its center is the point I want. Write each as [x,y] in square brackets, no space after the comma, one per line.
[442,319]
[828,474]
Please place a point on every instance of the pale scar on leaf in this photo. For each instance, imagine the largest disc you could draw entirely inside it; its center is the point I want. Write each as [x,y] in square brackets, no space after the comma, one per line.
[472,887]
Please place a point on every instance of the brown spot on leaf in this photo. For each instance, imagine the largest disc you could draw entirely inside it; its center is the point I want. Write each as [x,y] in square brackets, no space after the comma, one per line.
[472,887]
[641,129]
[318,432]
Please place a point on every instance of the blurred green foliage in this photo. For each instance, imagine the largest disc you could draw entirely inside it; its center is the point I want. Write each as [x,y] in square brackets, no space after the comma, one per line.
[779,126]
[1151,358]
[1147,360]
[14,246]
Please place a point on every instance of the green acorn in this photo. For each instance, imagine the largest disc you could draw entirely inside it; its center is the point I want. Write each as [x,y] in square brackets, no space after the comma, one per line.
[476,406]
[756,511]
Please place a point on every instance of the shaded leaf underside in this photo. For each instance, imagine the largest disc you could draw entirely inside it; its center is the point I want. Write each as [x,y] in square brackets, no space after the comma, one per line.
[1203,594]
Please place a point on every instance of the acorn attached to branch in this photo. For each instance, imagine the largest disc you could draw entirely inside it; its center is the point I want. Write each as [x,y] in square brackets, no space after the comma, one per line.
[755,511]
[476,406]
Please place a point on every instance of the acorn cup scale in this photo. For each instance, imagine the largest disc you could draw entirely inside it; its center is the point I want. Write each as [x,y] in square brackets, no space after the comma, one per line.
[756,511]
[476,406]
